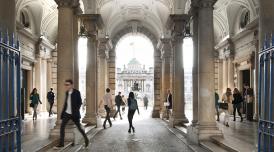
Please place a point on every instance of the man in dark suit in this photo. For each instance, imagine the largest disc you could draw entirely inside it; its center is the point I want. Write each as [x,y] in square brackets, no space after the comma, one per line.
[50,97]
[71,111]
[118,102]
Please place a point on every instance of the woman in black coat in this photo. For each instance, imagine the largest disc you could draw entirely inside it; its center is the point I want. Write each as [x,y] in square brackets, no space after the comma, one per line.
[237,101]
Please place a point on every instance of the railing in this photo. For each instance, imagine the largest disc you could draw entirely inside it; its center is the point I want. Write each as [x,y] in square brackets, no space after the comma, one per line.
[10,84]
[265,97]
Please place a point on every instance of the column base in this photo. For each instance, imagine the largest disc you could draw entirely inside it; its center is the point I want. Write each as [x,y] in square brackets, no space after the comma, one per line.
[173,121]
[69,131]
[255,117]
[203,132]
[194,122]
[155,113]
[89,121]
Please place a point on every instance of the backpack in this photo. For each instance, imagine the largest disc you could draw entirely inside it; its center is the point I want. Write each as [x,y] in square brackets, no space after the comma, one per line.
[133,105]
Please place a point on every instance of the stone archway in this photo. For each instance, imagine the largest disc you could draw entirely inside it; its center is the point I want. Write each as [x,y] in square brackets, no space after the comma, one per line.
[157,63]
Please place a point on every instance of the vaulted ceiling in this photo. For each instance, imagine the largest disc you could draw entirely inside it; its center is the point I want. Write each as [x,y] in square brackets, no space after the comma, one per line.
[151,14]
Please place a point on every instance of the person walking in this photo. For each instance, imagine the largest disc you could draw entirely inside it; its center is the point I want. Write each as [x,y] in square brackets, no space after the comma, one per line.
[145,102]
[237,101]
[227,98]
[118,102]
[168,103]
[217,98]
[71,111]
[35,100]
[132,107]
[107,99]
[50,97]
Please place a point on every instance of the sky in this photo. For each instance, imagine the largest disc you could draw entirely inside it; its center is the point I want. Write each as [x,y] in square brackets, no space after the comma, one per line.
[134,46]
[139,47]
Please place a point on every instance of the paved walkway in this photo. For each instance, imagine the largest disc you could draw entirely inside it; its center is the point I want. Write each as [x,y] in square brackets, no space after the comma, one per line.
[151,136]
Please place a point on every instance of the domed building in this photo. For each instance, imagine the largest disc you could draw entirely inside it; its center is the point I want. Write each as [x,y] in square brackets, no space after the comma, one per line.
[135,73]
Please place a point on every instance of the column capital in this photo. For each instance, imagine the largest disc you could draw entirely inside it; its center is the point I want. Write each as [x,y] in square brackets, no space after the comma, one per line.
[177,24]
[91,23]
[165,46]
[103,47]
[206,3]
[67,3]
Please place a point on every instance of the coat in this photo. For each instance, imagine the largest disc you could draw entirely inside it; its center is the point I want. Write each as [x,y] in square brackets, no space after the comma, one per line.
[76,102]
[170,101]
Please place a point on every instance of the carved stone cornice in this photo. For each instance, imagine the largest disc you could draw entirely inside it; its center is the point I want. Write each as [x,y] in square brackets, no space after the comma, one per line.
[67,3]
[177,24]
[206,3]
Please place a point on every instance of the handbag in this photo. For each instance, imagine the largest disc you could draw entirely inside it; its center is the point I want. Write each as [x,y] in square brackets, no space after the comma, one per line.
[31,105]
[166,104]
[223,106]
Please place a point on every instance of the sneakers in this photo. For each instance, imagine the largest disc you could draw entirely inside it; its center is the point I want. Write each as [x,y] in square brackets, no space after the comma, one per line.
[227,124]
[129,131]
[58,147]
[133,129]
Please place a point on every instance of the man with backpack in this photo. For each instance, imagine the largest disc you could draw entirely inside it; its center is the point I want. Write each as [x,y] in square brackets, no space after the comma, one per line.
[118,102]
[50,97]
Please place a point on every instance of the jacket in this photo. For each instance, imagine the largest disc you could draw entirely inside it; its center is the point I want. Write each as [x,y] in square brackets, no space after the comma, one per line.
[237,98]
[76,102]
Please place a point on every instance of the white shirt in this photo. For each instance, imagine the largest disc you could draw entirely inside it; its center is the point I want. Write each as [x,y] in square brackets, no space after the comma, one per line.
[107,99]
[68,110]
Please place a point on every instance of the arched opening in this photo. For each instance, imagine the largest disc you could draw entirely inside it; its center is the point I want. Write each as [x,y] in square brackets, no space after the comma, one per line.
[135,70]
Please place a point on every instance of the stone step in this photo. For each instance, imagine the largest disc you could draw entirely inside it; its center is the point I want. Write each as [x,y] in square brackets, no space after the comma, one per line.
[50,146]
[232,144]
[210,146]
[79,147]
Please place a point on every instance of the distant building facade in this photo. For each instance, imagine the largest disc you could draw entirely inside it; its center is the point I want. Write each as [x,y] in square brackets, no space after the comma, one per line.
[135,74]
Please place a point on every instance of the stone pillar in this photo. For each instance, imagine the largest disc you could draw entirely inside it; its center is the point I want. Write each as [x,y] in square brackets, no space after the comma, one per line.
[76,62]
[7,15]
[65,61]
[230,72]
[166,72]
[194,11]
[178,114]
[256,63]
[220,78]
[157,84]
[206,119]
[225,74]
[101,68]
[91,22]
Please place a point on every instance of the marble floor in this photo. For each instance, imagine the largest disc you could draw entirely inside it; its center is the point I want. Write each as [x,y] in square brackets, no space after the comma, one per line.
[151,136]
[35,133]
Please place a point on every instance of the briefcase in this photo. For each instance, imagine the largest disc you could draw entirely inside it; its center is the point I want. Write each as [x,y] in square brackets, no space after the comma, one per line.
[223,106]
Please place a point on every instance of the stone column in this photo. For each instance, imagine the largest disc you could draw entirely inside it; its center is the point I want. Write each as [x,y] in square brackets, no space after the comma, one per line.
[101,68]
[194,12]
[157,84]
[225,74]
[166,70]
[178,114]
[230,72]
[7,15]
[91,22]
[65,61]
[76,62]
[206,119]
